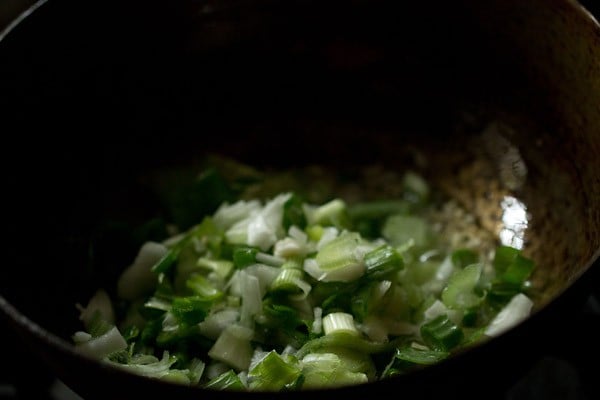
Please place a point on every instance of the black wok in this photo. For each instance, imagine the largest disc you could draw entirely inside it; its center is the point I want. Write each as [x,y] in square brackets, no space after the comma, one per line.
[97,96]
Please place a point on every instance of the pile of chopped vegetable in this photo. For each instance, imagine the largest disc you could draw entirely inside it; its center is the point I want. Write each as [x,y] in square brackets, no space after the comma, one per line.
[281,294]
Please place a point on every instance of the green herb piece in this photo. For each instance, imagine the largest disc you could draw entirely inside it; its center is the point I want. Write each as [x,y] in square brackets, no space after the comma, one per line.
[226,381]
[244,256]
[441,333]
[383,261]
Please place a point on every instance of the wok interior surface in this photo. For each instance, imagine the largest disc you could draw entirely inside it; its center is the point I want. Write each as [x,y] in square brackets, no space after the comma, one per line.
[97,96]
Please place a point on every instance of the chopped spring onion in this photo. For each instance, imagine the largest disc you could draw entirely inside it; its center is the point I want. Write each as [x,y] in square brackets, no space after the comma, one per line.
[99,306]
[420,356]
[518,270]
[233,347]
[281,294]
[273,373]
[328,370]
[441,333]
[459,293]
[382,261]
[138,278]
[162,369]
[339,322]
[410,357]
[104,345]
[290,280]
[337,260]
[331,213]
[399,229]
[226,381]
[513,313]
